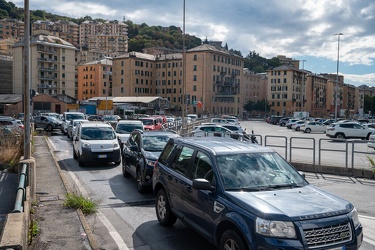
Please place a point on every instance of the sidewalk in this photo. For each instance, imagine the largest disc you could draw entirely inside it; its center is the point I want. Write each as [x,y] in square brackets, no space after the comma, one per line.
[59,227]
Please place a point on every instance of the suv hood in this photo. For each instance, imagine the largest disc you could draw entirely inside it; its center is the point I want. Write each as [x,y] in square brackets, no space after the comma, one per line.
[307,202]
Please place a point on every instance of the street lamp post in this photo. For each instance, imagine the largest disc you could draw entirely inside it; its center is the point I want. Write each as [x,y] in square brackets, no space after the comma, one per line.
[303,82]
[337,72]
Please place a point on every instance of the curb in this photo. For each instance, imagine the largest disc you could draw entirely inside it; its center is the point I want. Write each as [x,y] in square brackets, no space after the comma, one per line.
[85,225]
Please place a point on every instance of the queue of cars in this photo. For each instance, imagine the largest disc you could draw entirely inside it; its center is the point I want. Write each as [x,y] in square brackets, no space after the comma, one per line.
[237,195]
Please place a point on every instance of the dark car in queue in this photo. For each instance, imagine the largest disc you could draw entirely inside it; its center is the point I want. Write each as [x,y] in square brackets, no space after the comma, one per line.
[241,195]
[140,152]
[48,123]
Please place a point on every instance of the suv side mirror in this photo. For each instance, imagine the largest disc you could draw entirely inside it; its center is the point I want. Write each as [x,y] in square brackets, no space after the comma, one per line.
[202,184]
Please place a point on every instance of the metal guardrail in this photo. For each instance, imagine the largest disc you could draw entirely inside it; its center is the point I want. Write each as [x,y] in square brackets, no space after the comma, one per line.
[280,146]
[308,148]
[21,190]
[320,149]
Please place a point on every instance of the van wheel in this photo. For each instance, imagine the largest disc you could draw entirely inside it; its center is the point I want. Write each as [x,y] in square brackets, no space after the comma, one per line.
[340,136]
[80,162]
[163,209]
[230,240]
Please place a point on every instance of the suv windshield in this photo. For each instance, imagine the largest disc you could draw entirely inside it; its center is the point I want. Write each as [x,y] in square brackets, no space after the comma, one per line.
[257,171]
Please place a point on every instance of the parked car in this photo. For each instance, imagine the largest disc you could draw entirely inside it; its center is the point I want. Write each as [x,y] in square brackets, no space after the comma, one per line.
[140,153]
[95,118]
[371,141]
[111,119]
[283,121]
[72,127]
[245,196]
[48,123]
[151,123]
[297,125]
[347,130]
[313,127]
[234,128]
[11,125]
[275,119]
[67,117]
[290,123]
[210,130]
[125,127]
[95,142]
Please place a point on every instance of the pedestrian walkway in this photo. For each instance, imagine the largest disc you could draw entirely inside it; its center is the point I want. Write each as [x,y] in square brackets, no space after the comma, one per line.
[59,227]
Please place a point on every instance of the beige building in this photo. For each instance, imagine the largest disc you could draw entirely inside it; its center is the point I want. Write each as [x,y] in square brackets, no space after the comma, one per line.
[66,30]
[95,79]
[316,96]
[52,66]
[286,90]
[213,79]
[111,36]
[253,88]
[11,28]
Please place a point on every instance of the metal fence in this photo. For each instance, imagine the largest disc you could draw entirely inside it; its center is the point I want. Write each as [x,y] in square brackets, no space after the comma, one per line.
[21,190]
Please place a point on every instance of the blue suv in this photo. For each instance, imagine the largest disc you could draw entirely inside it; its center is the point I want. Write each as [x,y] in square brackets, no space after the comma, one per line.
[244,196]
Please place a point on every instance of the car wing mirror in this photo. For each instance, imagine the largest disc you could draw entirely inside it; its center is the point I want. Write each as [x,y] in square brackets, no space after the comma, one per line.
[202,184]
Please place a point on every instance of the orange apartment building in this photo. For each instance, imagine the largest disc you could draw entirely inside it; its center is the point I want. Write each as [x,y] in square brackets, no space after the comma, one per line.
[95,79]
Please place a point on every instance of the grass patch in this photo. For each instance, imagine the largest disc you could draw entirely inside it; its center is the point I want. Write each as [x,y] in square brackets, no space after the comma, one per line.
[11,148]
[33,231]
[87,206]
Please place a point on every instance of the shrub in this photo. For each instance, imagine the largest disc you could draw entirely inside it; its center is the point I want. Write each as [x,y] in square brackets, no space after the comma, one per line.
[87,206]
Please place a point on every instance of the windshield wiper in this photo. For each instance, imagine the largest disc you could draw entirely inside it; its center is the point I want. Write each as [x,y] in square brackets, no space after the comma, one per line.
[290,185]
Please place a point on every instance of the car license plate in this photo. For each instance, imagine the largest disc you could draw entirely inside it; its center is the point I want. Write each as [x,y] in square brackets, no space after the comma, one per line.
[102,156]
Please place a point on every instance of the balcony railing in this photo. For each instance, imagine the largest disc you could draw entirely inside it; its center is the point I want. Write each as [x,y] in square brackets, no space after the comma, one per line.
[47,78]
[46,59]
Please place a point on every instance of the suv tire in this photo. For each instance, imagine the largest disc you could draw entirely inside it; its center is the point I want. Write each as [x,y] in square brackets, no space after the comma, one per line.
[231,240]
[340,136]
[163,209]
[125,173]
[141,188]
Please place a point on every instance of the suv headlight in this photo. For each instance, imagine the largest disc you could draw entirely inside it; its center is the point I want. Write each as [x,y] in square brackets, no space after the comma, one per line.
[354,215]
[150,162]
[272,228]
[86,145]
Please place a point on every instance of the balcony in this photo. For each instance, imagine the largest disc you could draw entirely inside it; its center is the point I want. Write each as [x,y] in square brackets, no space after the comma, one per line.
[47,86]
[46,78]
[46,50]
[48,69]
[44,59]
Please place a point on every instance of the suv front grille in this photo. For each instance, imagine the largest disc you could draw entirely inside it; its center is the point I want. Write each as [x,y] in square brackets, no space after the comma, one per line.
[327,236]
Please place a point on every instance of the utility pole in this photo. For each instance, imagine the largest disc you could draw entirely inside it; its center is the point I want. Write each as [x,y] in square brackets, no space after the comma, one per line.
[337,72]
[27,89]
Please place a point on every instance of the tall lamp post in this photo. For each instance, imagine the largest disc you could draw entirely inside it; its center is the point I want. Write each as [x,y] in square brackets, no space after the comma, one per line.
[337,72]
[303,82]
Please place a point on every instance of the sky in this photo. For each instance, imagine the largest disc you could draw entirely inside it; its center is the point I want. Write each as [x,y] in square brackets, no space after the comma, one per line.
[304,30]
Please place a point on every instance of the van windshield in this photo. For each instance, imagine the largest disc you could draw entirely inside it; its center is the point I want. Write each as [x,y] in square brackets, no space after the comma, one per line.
[74,117]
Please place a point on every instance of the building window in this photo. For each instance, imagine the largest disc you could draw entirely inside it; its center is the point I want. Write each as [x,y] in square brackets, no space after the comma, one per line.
[194,78]
[63,75]
[63,59]
[195,67]
[195,57]
[195,88]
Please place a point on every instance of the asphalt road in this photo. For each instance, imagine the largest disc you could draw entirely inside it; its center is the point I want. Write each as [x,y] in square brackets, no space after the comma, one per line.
[126,219]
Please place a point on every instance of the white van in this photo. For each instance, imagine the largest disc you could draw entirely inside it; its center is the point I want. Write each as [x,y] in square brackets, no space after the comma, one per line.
[193,117]
[67,117]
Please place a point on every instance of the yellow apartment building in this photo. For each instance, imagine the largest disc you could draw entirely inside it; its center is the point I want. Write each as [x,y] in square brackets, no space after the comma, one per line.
[95,79]
[253,88]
